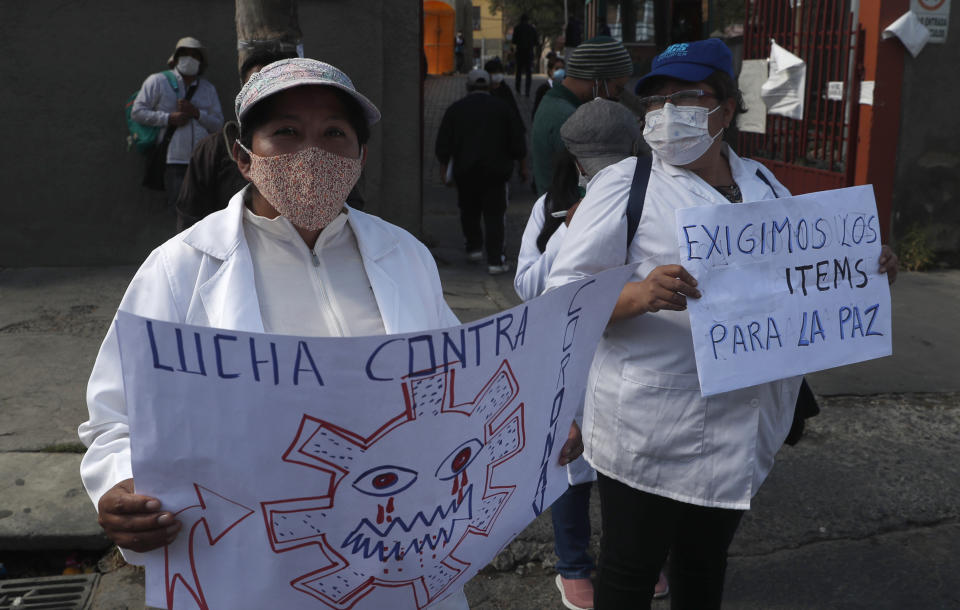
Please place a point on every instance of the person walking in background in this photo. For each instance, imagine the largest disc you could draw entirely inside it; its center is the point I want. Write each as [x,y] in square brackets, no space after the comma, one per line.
[500,89]
[480,135]
[525,39]
[572,36]
[192,110]
[212,177]
[555,73]
[599,67]
[458,43]
[600,133]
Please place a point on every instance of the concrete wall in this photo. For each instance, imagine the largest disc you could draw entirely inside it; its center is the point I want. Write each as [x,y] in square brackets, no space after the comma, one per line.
[927,190]
[72,192]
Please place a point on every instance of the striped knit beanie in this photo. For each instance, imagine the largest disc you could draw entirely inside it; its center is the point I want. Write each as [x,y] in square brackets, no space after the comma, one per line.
[600,58]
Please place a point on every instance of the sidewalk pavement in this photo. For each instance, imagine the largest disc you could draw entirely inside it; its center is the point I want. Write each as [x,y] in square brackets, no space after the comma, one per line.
[863,513]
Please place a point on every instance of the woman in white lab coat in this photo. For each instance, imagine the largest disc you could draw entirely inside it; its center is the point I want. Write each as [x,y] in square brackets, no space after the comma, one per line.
[598,134]
[286,256]
[676,471]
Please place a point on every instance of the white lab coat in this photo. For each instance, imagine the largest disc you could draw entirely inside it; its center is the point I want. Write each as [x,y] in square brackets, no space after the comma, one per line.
[204,276]
[533,267]
[645,422]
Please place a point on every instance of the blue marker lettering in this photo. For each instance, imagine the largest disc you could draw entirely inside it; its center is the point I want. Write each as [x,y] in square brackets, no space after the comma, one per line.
[303,350]
[153,348]
[216,348]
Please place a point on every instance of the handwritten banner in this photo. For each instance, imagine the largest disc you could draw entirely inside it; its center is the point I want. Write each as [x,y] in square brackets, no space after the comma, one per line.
[789,286]
[369,472]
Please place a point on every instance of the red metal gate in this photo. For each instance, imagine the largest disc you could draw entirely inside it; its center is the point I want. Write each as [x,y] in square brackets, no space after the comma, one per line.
[819,151]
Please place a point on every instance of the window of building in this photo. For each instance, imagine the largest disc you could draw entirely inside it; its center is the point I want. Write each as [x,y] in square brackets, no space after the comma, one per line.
[629,20]
[476,18]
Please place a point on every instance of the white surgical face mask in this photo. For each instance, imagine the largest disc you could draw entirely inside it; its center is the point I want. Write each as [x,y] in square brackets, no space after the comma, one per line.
[497,78]
[188,66]
[679,134]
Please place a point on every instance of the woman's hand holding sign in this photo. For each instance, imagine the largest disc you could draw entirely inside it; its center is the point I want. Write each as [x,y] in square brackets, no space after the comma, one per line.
[888,263]
[135,521]
[573,447]
[666,287]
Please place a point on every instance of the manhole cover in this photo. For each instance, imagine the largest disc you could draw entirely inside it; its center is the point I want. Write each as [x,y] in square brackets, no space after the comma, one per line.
[48,592]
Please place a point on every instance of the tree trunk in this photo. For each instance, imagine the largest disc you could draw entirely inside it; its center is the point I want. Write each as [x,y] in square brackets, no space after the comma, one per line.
[270,25]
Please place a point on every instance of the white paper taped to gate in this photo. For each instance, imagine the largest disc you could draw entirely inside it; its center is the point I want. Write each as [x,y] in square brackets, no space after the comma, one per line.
[913,34]
[784,91]
[835,90]
[753,73]
[367,472]
[790,286]
[866,92]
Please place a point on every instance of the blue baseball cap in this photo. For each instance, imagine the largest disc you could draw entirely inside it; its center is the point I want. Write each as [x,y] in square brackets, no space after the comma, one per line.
[691,61]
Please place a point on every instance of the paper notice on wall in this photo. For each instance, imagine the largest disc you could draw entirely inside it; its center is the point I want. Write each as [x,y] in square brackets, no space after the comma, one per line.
[835,90]
[753,73]
[935,14]
[913,34]
[866,92]
[784,90]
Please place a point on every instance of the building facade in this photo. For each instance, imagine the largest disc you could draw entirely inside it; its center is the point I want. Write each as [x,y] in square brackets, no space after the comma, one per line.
[488,33]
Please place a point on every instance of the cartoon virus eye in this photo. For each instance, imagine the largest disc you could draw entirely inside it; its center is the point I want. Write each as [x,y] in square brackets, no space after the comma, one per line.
[385,480]
[459,459]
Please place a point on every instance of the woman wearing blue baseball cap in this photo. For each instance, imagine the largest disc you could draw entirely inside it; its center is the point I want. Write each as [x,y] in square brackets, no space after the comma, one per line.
[676,471]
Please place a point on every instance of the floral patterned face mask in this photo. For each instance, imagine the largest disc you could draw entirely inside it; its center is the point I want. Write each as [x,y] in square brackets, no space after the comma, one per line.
[308,187]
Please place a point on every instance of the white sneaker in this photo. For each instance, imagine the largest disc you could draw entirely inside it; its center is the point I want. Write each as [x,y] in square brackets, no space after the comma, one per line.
[498,269]
[475,256]
[575,593]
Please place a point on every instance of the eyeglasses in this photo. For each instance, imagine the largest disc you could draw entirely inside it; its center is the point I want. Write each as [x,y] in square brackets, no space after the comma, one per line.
[688,97]
[611,88]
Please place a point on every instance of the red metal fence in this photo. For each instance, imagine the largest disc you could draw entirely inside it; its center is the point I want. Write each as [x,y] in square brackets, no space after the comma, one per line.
[819,151]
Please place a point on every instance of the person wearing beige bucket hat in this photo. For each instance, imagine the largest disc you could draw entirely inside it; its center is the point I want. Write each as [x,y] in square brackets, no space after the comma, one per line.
[182,102]
[212,177]
[188,47]
[287,255]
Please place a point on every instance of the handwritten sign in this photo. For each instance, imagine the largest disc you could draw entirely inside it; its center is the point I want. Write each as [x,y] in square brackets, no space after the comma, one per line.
[789,285]
[369,472]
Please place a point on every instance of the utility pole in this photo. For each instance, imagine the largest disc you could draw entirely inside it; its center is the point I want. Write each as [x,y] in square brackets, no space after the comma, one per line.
[270,25]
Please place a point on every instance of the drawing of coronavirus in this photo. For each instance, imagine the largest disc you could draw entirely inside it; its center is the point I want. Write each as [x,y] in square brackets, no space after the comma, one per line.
[382,520]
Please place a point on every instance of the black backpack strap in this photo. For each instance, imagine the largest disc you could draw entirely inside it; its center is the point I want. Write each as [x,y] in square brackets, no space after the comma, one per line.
[638,192]
[766,181]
